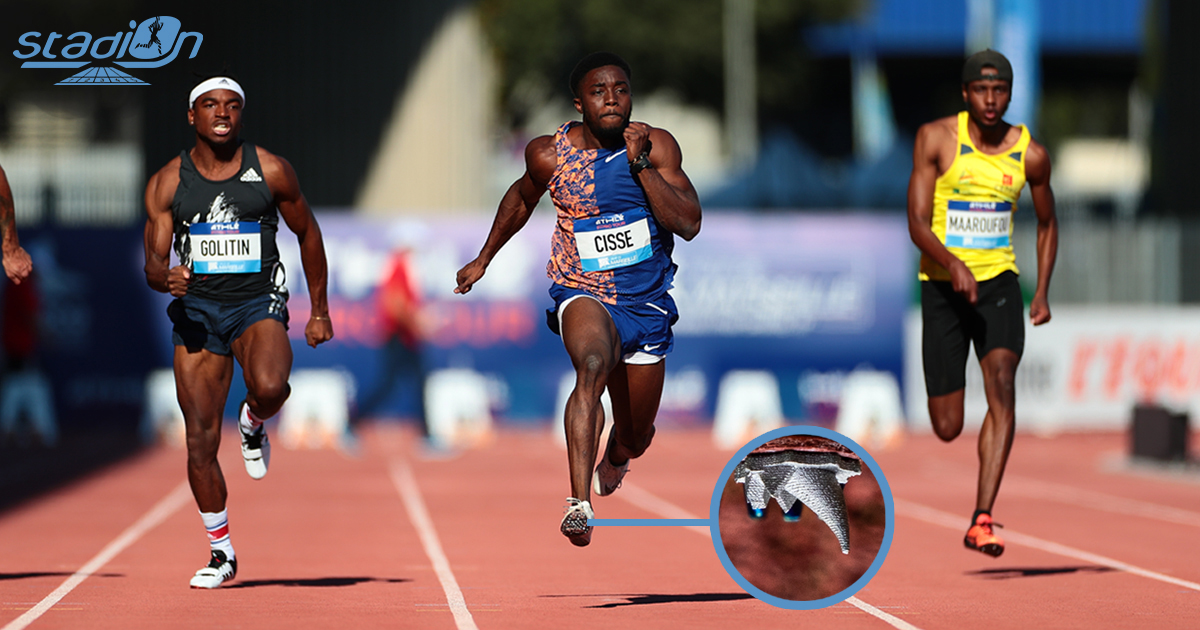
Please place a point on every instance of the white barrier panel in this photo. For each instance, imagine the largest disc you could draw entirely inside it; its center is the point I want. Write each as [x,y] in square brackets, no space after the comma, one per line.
[457,408]
[162,419]
[317,413]
[1086,369]
[748,405]
[869,411]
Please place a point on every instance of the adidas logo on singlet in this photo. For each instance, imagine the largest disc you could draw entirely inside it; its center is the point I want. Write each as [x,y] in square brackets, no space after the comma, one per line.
[251,176]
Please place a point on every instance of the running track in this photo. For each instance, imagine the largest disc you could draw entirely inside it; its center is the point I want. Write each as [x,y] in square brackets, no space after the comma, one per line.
[388,539]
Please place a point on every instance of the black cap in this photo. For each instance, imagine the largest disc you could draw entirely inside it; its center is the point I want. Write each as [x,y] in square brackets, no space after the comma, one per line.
[973,68]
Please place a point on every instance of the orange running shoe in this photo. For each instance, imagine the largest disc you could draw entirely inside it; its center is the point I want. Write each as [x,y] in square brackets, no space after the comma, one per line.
[981,537]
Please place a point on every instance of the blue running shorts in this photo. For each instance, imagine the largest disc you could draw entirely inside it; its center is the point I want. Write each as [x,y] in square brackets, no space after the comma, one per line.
[645,329]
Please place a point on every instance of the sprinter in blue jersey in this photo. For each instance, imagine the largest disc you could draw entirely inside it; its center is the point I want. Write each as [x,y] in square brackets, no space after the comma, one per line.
[621,196]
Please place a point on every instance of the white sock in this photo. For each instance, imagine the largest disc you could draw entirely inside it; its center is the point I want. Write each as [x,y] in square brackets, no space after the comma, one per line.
[217,526]
[248,420]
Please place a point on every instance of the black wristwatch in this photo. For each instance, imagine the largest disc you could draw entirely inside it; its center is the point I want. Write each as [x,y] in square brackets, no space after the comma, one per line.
[640,164]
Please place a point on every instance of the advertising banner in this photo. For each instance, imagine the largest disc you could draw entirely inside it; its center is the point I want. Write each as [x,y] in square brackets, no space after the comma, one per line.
[807,297]
[1085,369]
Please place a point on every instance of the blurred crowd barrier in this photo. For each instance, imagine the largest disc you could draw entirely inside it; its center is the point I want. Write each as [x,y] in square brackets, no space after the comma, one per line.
[807,298]
[76,186]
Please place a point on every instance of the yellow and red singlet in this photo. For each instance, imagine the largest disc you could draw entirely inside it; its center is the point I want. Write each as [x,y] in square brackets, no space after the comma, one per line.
[973,205]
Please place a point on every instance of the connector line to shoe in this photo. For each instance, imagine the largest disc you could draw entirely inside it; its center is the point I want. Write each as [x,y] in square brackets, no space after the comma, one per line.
[414,504]
[934,516]
[641,498]
[169,504]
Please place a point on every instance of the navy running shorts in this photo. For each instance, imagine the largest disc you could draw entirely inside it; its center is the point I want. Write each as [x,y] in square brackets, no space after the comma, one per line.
[213,326]
[949,323]
[645,329]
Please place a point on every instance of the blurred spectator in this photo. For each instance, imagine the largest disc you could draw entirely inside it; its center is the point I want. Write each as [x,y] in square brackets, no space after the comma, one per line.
[400,318]
[25,392]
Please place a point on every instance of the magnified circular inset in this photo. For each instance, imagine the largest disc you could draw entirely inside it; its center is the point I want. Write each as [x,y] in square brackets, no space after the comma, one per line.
[803,517]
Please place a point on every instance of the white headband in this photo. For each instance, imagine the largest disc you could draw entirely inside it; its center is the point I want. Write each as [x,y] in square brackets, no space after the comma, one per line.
[216,83]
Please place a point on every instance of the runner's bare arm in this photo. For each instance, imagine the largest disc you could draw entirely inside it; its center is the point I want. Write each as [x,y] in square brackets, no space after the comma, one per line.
[672,197]
[515,208]
[293,207]
[160,228]
[1037,173]
[16,261]
[925,172]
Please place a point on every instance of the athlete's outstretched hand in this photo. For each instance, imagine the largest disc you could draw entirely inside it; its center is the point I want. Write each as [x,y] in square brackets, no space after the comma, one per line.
[964,282]
[1039,310]
[17,264]
[318,331]
[178,279]
[469,275]
[637,139]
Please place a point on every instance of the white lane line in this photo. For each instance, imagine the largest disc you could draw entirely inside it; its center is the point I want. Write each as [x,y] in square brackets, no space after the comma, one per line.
[945,519]
[655,505]
[157,514]
[891,620]
[410,493]
[1034,489]
[650,502]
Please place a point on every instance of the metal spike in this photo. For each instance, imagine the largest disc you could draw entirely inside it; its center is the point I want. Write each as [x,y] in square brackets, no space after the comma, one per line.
[798,478]
[819,490]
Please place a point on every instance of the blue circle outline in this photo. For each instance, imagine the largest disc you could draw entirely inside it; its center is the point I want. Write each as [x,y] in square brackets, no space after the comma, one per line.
[889,525]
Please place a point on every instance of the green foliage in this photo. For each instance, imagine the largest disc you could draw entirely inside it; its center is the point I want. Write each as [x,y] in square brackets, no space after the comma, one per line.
[670,44]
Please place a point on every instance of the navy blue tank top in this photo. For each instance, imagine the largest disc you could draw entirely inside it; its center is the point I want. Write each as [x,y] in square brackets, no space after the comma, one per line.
[225,231]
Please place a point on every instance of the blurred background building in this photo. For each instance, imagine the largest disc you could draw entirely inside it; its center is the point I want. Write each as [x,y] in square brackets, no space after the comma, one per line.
[406,122]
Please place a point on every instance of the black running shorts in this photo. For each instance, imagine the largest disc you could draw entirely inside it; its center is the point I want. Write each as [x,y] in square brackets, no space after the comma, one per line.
[214,326]
[949,322]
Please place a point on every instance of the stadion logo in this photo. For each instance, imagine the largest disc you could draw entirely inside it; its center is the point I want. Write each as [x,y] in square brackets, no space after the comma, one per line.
[152,44]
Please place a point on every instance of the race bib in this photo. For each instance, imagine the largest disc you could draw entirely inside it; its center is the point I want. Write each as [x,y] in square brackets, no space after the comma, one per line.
[615,240]
[226,247]
[978,224]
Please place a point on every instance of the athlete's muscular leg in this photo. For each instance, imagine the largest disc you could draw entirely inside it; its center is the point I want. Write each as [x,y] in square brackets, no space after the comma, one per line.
[594,345]
[946,412]
[202,384]
[996,436]
[265,355]
[636,391]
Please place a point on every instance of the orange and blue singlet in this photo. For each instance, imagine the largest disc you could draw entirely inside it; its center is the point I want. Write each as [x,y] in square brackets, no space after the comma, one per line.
[606,241]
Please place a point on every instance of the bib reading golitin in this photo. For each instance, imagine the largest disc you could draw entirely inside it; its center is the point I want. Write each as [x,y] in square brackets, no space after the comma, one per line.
[612,241]
[226,247]
[973,204]
[225,231]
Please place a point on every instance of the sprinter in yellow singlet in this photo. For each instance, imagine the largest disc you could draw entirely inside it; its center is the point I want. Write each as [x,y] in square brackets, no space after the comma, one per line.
[968,172]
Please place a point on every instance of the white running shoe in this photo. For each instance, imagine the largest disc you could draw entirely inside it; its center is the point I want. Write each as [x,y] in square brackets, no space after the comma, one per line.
[607,477]
[219,571]
[574,523]
[256,448]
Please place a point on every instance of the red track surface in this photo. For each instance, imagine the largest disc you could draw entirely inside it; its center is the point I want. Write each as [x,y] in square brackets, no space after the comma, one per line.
[326,541]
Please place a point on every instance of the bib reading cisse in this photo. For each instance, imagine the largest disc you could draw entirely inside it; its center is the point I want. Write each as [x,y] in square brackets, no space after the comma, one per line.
[611,241]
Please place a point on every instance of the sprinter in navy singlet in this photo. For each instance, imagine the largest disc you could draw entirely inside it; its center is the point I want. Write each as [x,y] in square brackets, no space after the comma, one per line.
[219,203]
